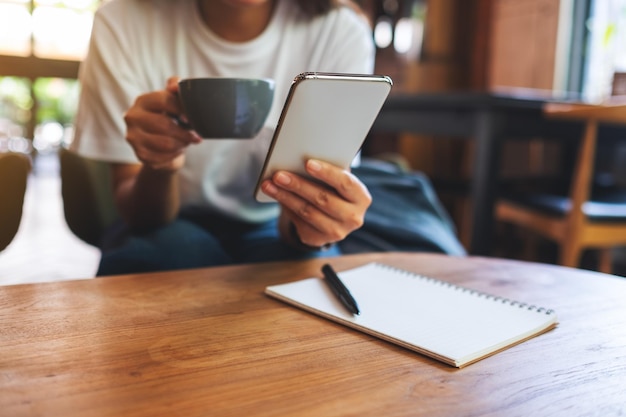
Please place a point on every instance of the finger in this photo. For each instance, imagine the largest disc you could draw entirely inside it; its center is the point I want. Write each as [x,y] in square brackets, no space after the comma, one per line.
[180,117]
[154,158]
[319,206]
[153,146]
[159,124]
[302,195]
[172,84]
[346,184]
[316,226]
[160,102]
[308,234]
[155,142]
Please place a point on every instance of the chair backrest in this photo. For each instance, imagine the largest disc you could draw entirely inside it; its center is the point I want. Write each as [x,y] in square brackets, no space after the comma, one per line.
[14,169]
[611,112]
[88,202]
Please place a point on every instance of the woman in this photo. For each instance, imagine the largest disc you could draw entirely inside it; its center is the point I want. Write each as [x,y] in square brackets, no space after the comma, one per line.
[187,202]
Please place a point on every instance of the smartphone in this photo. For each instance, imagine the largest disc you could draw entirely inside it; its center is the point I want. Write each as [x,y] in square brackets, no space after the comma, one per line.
[326,116]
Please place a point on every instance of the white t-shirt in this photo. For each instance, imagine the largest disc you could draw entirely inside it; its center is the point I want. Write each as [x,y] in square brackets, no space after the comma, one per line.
[137,45]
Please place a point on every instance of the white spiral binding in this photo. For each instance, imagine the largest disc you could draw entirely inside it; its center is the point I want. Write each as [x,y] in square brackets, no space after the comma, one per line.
[508,301]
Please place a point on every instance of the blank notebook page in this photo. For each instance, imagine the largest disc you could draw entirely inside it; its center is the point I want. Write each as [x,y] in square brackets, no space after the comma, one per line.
[453,324]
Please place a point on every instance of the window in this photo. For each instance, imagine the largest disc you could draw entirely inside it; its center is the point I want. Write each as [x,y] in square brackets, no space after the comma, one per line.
[46,28]
[15,113]
[41,44]
[15,28]
[606,47]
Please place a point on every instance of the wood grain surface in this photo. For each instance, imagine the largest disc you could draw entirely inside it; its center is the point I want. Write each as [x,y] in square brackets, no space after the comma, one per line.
[209,342]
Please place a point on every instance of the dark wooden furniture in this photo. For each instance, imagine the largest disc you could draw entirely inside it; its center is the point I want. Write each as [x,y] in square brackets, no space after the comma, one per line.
[489,119]
[14,170]
[576,221]
[209,342]
[88,201]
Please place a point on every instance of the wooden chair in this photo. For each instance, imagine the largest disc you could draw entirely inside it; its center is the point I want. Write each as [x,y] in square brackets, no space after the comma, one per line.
[576,221]
[14,170]
[88,203]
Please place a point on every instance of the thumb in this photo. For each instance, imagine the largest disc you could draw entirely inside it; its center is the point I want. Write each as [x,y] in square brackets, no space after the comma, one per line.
[172,84]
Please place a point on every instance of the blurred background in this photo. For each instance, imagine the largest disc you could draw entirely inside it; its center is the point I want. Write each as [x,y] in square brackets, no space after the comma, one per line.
[562,47]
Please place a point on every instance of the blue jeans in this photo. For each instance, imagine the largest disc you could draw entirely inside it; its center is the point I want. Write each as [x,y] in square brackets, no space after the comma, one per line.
[196,240]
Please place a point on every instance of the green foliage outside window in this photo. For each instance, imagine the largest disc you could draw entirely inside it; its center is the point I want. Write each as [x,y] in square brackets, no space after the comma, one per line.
[16,101]
[56,100]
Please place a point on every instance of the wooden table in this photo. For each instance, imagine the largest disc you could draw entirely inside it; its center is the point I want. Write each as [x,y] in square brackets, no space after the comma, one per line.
[489,118]
[209,342]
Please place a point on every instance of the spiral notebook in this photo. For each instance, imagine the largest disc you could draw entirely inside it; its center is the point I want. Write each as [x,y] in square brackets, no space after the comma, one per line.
[453,324]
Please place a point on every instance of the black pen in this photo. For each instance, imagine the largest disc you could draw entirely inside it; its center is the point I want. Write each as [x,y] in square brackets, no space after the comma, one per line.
[340,289]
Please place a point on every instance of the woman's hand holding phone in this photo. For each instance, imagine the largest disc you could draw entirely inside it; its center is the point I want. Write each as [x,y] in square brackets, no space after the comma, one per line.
[322,126]
[322,211]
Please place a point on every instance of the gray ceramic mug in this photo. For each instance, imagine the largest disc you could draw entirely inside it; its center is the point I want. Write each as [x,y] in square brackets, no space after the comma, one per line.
[226,107]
